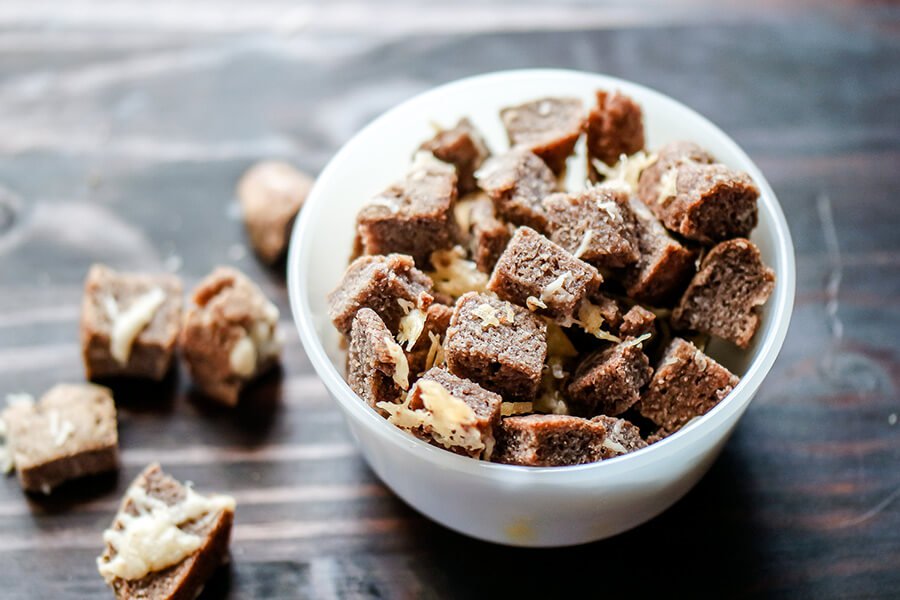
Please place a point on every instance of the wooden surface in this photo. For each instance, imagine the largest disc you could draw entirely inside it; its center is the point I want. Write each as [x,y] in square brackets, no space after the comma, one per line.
[123,130]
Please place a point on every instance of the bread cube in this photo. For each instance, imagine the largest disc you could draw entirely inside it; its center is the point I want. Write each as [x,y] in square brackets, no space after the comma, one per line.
[615,126]
[517,182]
[637,322]
[549,127]
[725,296]
[377,368]
[498,345]
[129,323]
[622,436]
[609,381]
[463,147]
[549,441]
[488,234]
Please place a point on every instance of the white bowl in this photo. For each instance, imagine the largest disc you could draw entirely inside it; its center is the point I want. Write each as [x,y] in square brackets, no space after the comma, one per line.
[522,506]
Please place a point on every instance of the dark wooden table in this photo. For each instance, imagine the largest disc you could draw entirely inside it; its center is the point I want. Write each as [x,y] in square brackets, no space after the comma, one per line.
[124,128]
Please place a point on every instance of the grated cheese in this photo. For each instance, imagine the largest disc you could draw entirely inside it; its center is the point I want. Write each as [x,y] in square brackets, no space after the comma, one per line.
[534,303]
[508,409]
[614,446]
[401,365]
[487,314]
[585,243]
[454,275]
[556,286]
[128,324]
[590,319]
[637,341]
[510,314]
[153,539]
[611,209]
[242,358]
[558,343]
[60,429]
[411,327]
[626,172]
[406,305]
[435,354]
[667,186]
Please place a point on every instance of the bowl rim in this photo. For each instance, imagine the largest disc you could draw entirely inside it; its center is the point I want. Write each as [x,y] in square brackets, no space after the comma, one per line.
[737,400]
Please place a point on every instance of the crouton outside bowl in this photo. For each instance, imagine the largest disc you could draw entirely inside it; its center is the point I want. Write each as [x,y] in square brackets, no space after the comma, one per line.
[523,506]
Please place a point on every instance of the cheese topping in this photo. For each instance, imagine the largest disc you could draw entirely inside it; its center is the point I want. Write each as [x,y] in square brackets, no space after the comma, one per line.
[614,446]
[667,186]
[242,358]
[591,320]
[558,343]
[258,345]
[556,286]
[555,364]
[462,212]
[447,419]
[411,327]
[454,275]
[510,314]
[534,303]
[406,305]
[401,366]
[128,324]
[388,202]
[585,243]
[544,108]
[551,402]
[60,429]
[637,341]
[626,172]
[611,209]
[487,314]
[516,408]
[435,351]
[153,540]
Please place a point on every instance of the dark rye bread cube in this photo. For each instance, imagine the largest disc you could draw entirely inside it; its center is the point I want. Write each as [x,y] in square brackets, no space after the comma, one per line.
[687,384]
[724,297]
[517,182]
[549,441]
[425,348]
[489,234]
[475,436]
[185,579]
[230,335]
[549,127]
[595,225]
[535,272]
[129,323]
[637,322]
[413,216]
[703,201]
[622,436]
[379,283]
[615,126]
[609,381]
[498,345]
[665,266]
[377,368]
[463,147]
[71,432]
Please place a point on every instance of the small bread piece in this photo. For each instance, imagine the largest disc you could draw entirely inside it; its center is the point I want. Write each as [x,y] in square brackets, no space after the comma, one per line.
[609,381]
[535,272]
[687,384]
[166,540]
[271,194]
[382,283]
[230,336]
[724,297]
[463,147]
[489,234]
[517,182]
[129,323]
[637,322]
[498,345]
[377,368]
[615,126]
[69,433]
[665,266]
[413,216]
[595,225]
[656,180]
[449,412]
[549,127]
[549,441]
[622,436]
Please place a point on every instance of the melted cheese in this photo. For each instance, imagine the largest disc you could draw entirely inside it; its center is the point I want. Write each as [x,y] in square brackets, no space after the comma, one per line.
[411,326]
[487,314]
[128,325]
[558,343]
[401,365]
[153,539]
[454,275]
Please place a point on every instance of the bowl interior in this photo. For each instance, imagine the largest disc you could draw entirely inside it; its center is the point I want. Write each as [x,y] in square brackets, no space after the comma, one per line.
[381,154]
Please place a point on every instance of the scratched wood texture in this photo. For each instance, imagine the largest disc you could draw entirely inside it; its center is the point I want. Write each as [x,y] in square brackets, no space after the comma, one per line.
[123,129]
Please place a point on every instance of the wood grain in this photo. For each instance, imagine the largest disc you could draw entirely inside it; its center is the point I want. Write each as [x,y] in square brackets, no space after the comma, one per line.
[122,137]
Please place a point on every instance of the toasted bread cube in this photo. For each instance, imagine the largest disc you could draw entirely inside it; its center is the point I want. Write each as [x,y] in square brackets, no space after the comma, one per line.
[463,147]
[378,370]
[609,381]
[665,266]
[271,194]
[637,322]
[413,216]
[615,126]
[166,540]
[382,283]
[535,272]
[498,345]
[687,384]
[656,182]
[71,432]
[517,182]
[230,336]
[549,441]
[489,235]
[595,225]
[724,297]
[549,127]
[622,436]
[129,323]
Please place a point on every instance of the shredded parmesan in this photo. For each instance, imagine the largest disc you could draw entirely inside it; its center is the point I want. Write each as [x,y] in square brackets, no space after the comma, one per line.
[242,358]
[487,314]
[637,341]
[435,355]
[128,324]
[406,305]
[454,275]
[626,172]
[389,203]
[558,343]
[510,314]
[411,327]
[534,303]
[590,319]
[447,419]
[508,409]
[614,446]
[585,243]
[153,539]
[556,286]
[611,209]
[667,185]
[401,365]
[60,429]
